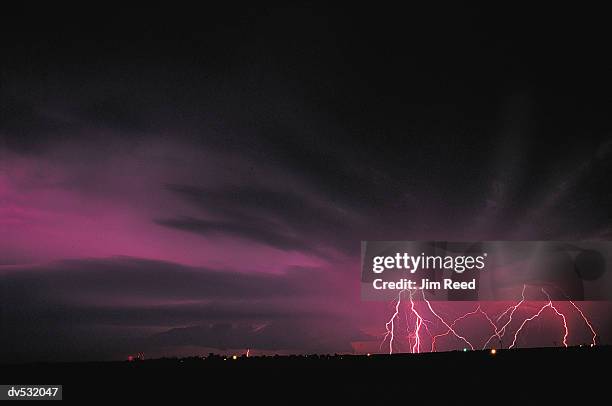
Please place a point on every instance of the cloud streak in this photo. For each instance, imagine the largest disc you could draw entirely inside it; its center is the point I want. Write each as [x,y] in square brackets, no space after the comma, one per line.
[145,296]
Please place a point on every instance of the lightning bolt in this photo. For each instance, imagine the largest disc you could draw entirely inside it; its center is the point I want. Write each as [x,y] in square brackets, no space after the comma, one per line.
[587,323]
[390,326]
[525,322]
[499,326]
[449,330]
[420,321]
[552,306]
[499,333]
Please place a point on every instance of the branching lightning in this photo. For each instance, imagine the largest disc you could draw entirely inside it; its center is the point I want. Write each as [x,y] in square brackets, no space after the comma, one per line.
[509,319]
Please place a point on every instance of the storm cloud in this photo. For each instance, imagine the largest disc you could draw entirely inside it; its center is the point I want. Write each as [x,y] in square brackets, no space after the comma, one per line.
[212,190]
[157,299]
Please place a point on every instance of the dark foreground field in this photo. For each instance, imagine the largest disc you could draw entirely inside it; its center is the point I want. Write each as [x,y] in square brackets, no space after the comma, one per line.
[578,374]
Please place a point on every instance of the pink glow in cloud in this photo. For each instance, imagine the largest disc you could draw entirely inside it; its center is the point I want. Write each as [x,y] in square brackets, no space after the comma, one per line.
[54,208]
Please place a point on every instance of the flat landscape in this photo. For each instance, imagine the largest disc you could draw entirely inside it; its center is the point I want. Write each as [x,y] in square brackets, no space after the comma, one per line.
[549,373]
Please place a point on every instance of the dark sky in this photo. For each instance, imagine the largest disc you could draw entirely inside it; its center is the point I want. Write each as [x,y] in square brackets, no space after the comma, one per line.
[173,179]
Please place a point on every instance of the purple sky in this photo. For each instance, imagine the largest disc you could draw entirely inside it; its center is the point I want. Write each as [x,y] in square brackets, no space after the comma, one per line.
[160,248]
[210,193]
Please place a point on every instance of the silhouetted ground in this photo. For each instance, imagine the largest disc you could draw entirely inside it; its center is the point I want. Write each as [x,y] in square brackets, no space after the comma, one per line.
[515,376]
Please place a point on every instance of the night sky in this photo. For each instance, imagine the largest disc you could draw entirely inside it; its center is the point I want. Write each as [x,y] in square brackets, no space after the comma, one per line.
[179,183]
